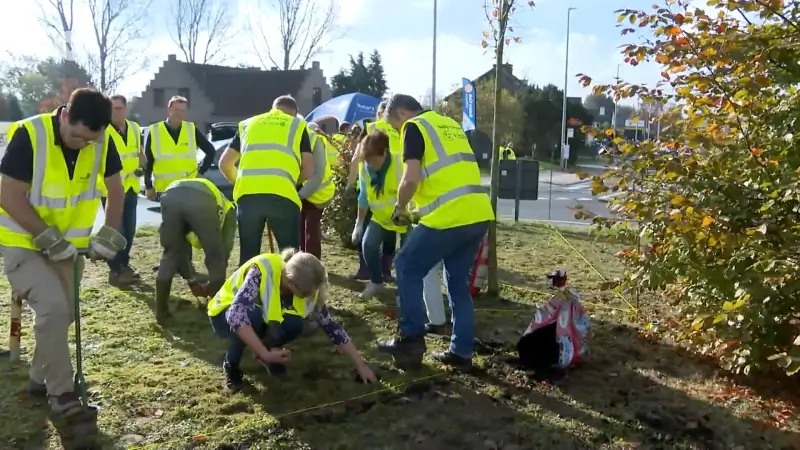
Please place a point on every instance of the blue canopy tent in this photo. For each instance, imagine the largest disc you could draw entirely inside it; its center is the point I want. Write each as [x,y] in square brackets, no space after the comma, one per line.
[350,108]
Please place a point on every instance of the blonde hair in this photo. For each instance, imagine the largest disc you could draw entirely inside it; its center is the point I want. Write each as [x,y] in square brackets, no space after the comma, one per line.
[304,270]
[177,99]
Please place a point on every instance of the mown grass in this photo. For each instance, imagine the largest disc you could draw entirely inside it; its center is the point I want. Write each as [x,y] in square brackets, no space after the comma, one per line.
[161,388]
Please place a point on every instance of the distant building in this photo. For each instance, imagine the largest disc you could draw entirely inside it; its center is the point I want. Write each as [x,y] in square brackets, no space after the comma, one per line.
[509,80]
[227,94]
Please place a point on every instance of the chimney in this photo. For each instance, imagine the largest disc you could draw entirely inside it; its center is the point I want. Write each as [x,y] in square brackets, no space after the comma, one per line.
[172,58]
[315,65]
[273,69]
[510,67]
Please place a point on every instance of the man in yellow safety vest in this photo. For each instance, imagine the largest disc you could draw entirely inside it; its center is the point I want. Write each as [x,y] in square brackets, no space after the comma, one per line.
[443,179]
[276,157]
[170,149]
[127,137]
[194,213]
[316,194]
[53,174]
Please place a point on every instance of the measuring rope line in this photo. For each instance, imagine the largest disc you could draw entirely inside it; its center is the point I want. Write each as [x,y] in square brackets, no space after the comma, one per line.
[591,266]
[200,437]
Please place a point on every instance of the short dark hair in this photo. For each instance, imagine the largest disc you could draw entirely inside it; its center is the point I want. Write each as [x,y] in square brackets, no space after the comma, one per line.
[343,126]
[285,101]
[402,101]
[89,107]
[121,98]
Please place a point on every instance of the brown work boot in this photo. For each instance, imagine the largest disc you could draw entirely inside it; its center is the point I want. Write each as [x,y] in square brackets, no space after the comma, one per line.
[163,288]
[76,423]
[121,278]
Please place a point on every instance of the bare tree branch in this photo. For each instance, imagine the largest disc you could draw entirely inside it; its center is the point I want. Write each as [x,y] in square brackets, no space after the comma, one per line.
[57,17]
[119,25]
[306,27]
[202,28]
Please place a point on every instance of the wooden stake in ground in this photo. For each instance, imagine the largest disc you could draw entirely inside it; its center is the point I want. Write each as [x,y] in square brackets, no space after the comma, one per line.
[15,327]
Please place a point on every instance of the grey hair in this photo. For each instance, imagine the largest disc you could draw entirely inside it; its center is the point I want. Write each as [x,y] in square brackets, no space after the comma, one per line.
[313,126]
[401,101]
[285,101]
[304,270]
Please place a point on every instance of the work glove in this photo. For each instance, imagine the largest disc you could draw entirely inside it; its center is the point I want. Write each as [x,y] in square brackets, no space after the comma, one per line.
[106,243]
[200,289]
[55,247]
[138,172]
[358,232]
[401,217]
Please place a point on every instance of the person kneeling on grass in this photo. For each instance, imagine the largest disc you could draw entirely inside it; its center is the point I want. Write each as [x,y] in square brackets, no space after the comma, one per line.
[265,304]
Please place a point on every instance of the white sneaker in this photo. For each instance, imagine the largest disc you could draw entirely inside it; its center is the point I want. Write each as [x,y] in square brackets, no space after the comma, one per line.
[371,290]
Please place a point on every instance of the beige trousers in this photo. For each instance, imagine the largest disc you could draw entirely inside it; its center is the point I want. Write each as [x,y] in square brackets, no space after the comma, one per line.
[48,289]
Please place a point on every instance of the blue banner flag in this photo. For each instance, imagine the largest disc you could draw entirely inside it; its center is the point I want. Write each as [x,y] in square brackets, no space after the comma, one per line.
[469,104]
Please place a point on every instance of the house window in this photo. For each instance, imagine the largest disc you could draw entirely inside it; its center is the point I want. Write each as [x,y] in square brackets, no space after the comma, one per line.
[316,97]
[158,97]
[184,92]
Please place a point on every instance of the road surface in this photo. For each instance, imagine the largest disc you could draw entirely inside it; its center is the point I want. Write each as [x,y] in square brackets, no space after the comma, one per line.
[555,203]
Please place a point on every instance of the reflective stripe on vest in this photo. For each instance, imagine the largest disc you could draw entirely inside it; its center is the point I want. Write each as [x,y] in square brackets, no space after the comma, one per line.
[450,193]
[172,163]
[395,143]
[223,205]
[326,189]
[73,213]
[383,207]
[128,150]
[263,138]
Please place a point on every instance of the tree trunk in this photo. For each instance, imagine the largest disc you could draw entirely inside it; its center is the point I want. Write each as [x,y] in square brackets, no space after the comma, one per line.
[494,285]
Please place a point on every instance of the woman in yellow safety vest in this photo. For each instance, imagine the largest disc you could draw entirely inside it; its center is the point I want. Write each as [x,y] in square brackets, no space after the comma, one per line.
[265,304]
[379,179]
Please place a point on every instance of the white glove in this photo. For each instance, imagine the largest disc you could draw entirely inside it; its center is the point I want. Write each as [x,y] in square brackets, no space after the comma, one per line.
[358,231]
[54,246]
[97,250]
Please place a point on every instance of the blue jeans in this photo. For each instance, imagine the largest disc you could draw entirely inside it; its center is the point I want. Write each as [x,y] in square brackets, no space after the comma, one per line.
[389,243]
[423,249]
[291,329]
[127,229]
[376,239]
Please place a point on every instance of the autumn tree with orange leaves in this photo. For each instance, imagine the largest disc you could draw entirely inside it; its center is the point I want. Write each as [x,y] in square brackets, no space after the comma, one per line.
[718,200]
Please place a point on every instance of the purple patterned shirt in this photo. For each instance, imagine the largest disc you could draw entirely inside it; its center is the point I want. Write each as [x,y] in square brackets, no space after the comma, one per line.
[248,298]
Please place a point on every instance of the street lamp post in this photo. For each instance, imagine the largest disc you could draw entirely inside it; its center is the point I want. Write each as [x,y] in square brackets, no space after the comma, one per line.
[433,70]
[564,102]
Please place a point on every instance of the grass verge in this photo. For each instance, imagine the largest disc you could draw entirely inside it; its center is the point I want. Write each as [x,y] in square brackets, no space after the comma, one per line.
[161,388]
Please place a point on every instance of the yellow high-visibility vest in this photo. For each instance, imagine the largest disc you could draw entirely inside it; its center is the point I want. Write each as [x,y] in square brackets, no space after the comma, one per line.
[270,161]
[330,150]
[450,193]
[395,143]
[223,205]
[128,150]
[271,266]
[173,161]
[69,205]
[11,130]
[382,206]
[327,189]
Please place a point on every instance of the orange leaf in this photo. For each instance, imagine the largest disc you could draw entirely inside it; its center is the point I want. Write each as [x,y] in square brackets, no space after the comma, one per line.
[707,221]
[662,58]
[673,30]
[665,75]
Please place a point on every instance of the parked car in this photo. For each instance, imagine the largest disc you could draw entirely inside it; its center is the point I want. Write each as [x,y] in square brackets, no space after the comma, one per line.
[220,135]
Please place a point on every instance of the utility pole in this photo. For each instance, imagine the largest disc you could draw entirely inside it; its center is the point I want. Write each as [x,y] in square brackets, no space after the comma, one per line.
[433,74]
[564,101]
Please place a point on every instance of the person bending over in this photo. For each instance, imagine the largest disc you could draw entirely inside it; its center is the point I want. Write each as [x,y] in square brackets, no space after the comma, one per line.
[266,303]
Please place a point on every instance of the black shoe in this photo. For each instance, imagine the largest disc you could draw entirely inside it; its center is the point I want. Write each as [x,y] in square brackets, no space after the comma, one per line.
[234,378]
[449,358]
[437,330]
[407,351]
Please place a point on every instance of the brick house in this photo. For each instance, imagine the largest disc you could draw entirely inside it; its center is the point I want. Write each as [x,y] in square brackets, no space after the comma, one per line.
[510,81]
[227,94]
